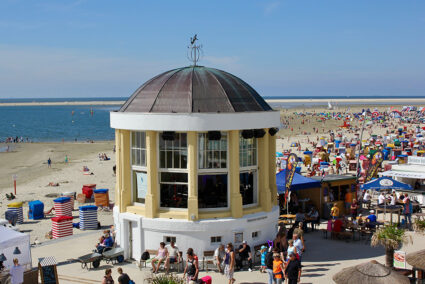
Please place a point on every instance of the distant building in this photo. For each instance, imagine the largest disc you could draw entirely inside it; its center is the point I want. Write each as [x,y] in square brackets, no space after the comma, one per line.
[195,153]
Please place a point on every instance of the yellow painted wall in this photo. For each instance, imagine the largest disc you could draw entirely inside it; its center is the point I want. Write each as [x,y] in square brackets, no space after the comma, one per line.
[266,175]
[152,196]
[234,182]
[192,166]
[118,168]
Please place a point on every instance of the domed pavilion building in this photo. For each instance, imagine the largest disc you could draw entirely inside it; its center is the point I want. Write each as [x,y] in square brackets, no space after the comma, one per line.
[195,153]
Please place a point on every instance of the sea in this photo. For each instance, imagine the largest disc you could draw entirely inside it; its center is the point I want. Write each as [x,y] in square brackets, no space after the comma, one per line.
[57,123]
[92,122]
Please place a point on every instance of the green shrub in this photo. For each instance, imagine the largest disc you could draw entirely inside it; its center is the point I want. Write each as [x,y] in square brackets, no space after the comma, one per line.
[165,279]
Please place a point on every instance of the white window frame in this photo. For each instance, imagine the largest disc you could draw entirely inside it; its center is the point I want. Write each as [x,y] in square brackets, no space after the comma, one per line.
[251,169]
[136,168]
[216,242]
[218,171]
[171,170]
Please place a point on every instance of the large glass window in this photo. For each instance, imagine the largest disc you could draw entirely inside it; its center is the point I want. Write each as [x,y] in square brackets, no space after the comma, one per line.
[212,190]
[173,188]
[212,153]
[173,171]
[248,170]
[247,152]
[248,187]
[212,177]
[173,153]
[138,149]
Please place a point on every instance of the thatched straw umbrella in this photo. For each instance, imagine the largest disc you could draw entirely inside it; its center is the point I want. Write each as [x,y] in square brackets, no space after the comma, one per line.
[416,259]
[369,273]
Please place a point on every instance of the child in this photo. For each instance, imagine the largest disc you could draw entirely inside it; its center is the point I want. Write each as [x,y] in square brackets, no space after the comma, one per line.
[335,211]
[277,269]
[263,252]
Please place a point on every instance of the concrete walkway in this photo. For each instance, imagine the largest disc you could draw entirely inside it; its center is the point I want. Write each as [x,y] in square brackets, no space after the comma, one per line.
[322,259]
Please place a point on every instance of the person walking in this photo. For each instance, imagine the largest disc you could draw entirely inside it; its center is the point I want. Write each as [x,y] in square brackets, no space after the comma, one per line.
[278,268]
[107,279]
[192,268]
[269,264]
[293,270]
[229,263]
[49,163]
[123,278]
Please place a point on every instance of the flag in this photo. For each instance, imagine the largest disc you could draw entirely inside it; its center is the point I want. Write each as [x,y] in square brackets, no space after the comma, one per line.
[375,163]
[291,165]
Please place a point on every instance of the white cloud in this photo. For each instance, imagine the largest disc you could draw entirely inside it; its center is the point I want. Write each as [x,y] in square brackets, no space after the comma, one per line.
[271,7]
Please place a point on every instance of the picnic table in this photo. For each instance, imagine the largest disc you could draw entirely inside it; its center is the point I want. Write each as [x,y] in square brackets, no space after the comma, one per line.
[391,210]
[287,219]
[420,216]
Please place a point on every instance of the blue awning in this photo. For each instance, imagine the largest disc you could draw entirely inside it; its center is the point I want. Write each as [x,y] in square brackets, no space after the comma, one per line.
[385,183]
[299,182]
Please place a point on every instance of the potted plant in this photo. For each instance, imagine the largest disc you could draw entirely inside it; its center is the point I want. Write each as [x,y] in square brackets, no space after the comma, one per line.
[391,238]
[419,226]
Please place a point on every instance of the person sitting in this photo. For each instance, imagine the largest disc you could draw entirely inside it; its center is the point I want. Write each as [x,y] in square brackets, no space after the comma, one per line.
[105,243]
[337,226]
[314,217]
[160,257]
[367,198]
[244,253]
[299,217]
[354,207]
[219,255]
[381,199]
[371,220]
[173,255]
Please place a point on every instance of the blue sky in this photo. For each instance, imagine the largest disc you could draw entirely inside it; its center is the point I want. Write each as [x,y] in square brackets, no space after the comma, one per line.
[77,48]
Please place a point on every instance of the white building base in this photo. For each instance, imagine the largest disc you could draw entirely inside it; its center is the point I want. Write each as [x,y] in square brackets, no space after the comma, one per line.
[136,233]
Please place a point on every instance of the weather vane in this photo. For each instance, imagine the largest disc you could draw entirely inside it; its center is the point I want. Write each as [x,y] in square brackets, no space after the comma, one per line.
[194,51]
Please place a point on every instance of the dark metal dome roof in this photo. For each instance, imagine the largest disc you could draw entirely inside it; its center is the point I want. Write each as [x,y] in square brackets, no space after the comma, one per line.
[195,89]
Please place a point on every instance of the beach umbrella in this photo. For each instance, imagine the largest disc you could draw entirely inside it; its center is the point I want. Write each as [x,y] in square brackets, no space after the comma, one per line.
[369,273]
[416,259]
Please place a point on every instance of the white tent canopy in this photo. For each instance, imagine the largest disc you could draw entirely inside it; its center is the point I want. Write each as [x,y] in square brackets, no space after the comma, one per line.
[9,240]
[414,175]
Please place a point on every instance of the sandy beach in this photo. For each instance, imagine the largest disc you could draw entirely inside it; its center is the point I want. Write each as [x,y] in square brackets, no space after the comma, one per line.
[29,163]
[323,257]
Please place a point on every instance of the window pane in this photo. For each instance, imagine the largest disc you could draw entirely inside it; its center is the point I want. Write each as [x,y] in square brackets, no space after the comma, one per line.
[173,177]
[169,159]
[143,158]
[212,191]
[211,151]
[140,186]
[248,187]
[173,195]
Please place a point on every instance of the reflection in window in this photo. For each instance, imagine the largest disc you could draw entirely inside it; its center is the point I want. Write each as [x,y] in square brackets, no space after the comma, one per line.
[173,187]
[173,153]
[138,148]
[247,152]
[212,153]
[212,191]
[248,187]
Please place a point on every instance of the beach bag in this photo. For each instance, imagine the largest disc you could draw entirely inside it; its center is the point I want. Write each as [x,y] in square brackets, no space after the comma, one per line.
[205,280]
[145,255]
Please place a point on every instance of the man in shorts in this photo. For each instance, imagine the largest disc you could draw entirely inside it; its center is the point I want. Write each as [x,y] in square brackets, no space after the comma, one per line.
[219,255]
[173,255]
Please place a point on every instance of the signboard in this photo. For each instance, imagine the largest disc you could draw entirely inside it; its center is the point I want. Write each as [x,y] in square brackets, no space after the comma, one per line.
[47,269]
[400,259]
[375,163]
[142,184]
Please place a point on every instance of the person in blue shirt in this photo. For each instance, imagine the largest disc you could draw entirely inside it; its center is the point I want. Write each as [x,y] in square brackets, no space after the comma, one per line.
[371,219]
[107,242]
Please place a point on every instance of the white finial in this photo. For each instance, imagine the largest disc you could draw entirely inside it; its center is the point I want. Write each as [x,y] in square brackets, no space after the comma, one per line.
[194,51]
